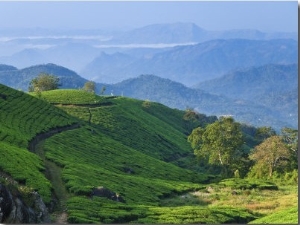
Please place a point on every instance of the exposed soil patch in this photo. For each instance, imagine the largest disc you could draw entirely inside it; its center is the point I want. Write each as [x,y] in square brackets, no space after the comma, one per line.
[61,218]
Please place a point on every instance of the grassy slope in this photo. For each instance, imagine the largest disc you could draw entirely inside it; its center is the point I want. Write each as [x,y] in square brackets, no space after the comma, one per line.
[121,145]
[286,216]
[122,135]
[21,118]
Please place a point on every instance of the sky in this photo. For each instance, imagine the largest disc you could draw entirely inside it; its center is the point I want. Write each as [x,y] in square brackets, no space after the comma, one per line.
[209,15]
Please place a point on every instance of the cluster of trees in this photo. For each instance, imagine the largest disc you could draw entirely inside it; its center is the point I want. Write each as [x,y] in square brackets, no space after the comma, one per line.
[44,82]
[47,82]
[222,144]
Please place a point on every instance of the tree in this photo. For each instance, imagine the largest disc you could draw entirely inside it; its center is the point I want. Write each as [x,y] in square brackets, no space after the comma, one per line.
[290,138]
[263,133]
[269,156]
[219,142]
[103,89]
[146,103]
[43,82]
[90,86]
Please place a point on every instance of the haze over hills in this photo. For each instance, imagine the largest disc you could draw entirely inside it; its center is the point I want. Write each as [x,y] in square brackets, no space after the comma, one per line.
[190,32]
[273,86]
[178,52]
[76,48]
[195,63]
[254,82]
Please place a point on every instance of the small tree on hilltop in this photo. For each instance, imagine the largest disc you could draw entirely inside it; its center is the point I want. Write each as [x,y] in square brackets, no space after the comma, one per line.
[43,82]
[90,86]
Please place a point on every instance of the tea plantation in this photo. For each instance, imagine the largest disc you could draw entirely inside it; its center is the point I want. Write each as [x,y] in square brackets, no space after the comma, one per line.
[128,147]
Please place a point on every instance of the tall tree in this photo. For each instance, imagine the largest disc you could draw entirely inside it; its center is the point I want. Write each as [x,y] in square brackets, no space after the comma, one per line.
[219,142]
[290,138]
[44,82]
[269,156]
[90,86]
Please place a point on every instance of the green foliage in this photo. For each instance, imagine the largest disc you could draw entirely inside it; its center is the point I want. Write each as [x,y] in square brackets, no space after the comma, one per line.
[219,142]
[116,166]
[263,133]
[152,132]
[290,138]
[130,149]
[286,216]
[146,104]
[22,117]
[26,168]
[105,211]
[44,82]
[90,86]
[72,96]
[236,183]
[196,214]
[269,156]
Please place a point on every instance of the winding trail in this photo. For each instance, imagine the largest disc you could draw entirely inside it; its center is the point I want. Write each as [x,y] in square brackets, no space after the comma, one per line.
[53,172]
[44,135]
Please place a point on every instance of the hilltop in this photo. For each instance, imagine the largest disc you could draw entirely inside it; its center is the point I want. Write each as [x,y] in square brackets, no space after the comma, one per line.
[20,78]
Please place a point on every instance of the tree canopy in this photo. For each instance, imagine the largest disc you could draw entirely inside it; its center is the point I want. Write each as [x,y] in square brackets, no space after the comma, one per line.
[219,142]
[269,156]
[90,86]
[44,82]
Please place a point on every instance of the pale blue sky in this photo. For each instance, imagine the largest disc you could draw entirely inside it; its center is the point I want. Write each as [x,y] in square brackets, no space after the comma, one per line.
[264,16]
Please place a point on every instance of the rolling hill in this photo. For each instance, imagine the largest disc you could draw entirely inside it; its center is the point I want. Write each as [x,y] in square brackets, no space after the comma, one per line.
[258,111]
[20,78]
[273,86]
[177,95]
[107,158]
[254,82]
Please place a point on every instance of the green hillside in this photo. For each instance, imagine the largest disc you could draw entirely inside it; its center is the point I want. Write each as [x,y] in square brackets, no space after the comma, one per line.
[22,117]
[69,144]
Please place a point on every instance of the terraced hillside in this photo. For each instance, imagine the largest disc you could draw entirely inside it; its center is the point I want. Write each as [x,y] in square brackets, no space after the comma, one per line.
[125,146]
[22,117]
[119,164]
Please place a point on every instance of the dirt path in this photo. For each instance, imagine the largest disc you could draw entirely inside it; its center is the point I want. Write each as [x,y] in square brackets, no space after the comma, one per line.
[42,136]
[53,172]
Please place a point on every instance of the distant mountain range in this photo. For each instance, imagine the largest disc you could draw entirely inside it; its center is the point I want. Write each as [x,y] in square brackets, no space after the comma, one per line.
[272,86]
[80,50]
[190,32]
[254,82]
[261,107]
[193,63]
